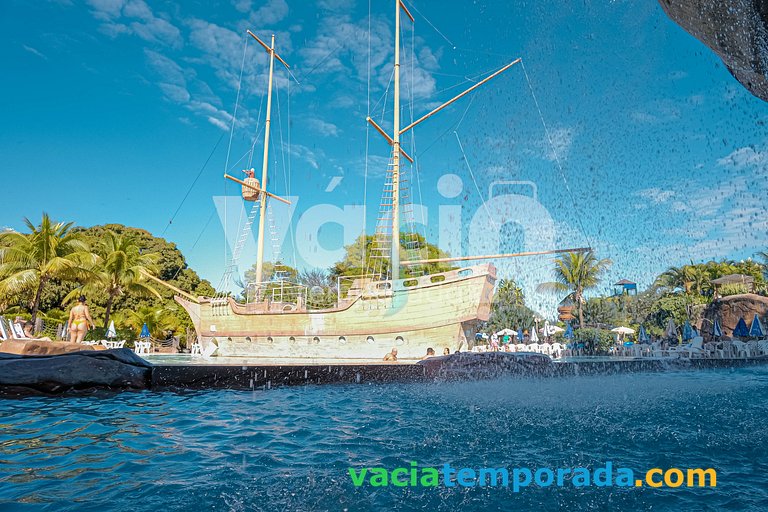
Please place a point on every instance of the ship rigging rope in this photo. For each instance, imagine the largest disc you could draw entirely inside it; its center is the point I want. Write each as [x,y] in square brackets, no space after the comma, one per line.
[225,278]
[367,144]
[574,203]
[194,182]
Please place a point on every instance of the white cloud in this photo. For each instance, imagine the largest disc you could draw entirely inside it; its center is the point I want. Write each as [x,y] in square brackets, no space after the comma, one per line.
[134,17]
[322,127]
[341,46]
[656,195]
[35,52]
[744,157]
[561,142]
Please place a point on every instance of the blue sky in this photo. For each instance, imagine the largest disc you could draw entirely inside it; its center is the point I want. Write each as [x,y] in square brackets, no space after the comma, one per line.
[111,107]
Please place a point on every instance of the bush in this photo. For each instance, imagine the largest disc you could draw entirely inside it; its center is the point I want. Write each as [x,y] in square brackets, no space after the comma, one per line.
[100,333]
[595,340]
[733,289]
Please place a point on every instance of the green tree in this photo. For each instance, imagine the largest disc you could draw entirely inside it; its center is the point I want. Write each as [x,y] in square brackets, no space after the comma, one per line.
[29,261]
[508,309]
[120,269]
[360,257]
[576,272]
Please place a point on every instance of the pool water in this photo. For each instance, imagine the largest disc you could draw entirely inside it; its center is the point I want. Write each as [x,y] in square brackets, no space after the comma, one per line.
[289,448]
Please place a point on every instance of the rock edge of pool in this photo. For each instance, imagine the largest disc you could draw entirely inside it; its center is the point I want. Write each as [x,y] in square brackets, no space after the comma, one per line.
[122,370]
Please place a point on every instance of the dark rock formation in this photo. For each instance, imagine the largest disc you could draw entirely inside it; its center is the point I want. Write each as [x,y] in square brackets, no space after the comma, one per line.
[486,365]
[736,30]
[101,369]
[729,309]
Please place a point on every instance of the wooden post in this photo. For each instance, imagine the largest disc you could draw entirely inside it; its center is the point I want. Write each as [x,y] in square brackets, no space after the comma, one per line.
[395,247]
[264,166]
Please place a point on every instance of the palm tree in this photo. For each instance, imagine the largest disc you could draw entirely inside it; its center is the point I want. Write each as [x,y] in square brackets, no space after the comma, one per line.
[120,268]
[157,319]
[677,277]
[576,272]
[49,251]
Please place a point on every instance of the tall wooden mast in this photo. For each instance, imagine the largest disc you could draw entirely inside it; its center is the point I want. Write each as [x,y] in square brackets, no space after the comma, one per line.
[394,140]
[265,162]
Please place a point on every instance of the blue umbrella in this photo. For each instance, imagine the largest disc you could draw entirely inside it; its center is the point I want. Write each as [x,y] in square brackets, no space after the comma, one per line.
[756,329]
[568,331]
[717,331]
[144,331]
[741,330]
[642,336]
[687,331]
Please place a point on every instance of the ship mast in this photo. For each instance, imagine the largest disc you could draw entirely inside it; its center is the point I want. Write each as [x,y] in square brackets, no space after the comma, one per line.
[265,162]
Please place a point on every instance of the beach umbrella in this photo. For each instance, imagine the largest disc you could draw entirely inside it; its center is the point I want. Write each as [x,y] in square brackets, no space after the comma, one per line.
[756,329]
[642,336]
[671,331]
[144,331]
[687,331]
[111,333]
[717,331]
[554,329]
[741,330]
[623,330]
[545,330]
[506,332]
[568,331]
[534,336]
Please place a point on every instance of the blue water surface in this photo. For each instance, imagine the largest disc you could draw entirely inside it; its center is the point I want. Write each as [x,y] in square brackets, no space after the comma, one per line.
[289,448]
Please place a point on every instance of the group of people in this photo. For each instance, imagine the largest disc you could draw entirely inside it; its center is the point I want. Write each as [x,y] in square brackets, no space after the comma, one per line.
[392,354]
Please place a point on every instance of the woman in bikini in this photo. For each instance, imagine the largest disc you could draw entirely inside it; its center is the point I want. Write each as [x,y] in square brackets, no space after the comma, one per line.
[79,318]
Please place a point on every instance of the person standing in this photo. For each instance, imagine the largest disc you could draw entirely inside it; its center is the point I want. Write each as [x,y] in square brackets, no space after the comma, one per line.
[79,319]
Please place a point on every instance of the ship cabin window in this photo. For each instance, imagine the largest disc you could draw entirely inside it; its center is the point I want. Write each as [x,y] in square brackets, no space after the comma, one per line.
[342,340]
[292,339]
[315,340]
[248,339]
[399,340]
[437,279]
[465,272]
[410,282]
[270,340]
[384,286]
[370,340]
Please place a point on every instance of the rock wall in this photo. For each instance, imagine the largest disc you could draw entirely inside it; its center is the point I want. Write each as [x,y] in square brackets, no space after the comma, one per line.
[730,309]
[736,30]
[101,369]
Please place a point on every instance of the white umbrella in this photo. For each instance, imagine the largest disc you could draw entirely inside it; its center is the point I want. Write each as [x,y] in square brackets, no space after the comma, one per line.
[111,333]
[507,332]
[623,330]
[553,329]
[534,336]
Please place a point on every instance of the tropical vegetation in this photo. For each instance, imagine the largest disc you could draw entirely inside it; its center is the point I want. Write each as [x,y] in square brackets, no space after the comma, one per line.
[45,269]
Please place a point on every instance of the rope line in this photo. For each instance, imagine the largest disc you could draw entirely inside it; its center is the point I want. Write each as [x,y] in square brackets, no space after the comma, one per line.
[557,158]
[189,190]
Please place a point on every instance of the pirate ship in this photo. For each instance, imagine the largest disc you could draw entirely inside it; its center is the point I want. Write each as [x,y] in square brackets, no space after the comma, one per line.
[392,305]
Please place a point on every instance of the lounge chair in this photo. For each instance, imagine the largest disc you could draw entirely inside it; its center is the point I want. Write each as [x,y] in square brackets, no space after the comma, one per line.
[196,350]
[142,347]
[532,347]
[557,350]
[18,331]
[694,348]
[739,347]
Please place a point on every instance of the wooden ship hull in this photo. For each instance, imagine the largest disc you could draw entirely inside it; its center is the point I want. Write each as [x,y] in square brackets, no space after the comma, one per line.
[437,311]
